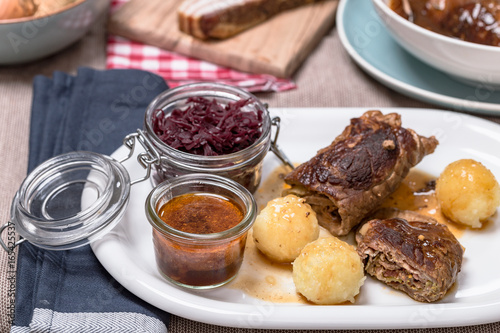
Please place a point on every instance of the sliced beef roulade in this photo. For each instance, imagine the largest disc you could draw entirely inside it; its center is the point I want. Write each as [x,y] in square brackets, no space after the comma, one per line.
[420,258]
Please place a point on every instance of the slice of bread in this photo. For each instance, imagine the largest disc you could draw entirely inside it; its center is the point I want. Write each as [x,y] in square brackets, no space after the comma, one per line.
[221,19]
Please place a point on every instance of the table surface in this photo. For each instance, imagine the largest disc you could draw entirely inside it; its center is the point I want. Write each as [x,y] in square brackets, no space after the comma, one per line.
[328,78]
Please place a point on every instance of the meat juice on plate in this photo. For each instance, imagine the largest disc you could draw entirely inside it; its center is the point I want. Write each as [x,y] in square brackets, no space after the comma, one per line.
[417,193]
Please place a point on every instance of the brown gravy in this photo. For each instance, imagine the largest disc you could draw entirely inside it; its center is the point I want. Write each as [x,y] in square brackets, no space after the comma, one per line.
[416,193]
[473,21]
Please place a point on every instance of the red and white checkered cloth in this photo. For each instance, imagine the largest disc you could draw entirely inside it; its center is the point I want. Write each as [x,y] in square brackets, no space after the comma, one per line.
[177,69]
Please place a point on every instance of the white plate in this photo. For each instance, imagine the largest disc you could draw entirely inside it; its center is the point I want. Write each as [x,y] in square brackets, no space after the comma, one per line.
[127,251]
[369,44]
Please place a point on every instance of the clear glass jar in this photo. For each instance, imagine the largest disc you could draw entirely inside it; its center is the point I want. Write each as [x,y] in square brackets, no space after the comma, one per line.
[199,261]
[243,166]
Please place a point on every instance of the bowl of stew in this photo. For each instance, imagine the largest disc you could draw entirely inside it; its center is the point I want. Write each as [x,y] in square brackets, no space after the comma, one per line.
[458,37]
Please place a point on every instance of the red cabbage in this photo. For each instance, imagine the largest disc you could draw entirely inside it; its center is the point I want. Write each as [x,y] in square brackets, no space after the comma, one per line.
[208,128]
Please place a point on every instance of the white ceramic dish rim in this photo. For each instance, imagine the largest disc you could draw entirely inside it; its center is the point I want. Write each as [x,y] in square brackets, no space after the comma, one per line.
[253,313]
[403,87]
[382,4]
[34,18]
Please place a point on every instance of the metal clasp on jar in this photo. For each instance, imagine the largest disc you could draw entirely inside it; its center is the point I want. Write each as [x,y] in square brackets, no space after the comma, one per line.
[276,121]
[14,243]
[146,159]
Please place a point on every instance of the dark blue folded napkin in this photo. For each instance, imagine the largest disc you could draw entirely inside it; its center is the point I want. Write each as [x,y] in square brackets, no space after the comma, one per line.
[69,291]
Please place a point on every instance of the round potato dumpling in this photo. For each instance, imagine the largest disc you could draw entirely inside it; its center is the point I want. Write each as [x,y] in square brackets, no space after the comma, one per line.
[284,227]
[328,271]
[468,192]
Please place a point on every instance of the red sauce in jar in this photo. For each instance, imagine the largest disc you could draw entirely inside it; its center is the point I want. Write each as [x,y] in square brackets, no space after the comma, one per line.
[200,213]
[199,262]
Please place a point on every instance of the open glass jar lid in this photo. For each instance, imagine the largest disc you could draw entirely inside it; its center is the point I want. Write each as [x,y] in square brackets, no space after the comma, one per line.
[70,200]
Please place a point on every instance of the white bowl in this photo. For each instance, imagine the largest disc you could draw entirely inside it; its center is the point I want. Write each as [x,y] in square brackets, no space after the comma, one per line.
[468,62]
[27,39]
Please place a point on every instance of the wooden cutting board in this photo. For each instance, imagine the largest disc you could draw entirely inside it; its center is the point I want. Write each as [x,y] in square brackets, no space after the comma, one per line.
[277,46]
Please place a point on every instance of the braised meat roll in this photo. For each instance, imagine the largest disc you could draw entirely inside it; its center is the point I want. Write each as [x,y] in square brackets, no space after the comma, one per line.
[351,177]
[420,258]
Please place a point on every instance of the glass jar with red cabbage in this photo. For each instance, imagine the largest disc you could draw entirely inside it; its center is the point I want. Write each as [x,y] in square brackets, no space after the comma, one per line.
[209,128]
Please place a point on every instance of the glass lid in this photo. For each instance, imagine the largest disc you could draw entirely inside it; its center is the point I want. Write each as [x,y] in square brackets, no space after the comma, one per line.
[71,200]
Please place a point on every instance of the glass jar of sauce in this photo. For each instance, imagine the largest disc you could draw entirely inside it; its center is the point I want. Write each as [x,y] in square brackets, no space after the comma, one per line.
[200,224]
[243,166]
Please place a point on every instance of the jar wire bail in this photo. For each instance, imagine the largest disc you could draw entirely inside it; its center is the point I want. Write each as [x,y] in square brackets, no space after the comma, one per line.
[8,249]
[146,159]
[276,121]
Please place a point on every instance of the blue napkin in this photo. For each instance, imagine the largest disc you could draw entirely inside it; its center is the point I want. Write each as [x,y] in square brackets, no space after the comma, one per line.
[69,291]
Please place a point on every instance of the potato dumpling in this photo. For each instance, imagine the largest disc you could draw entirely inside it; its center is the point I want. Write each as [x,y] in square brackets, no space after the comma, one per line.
[468,192]
[284,227]
[328,271]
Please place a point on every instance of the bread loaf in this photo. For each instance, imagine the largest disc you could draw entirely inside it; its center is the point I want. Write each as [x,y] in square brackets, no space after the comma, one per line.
[221,19]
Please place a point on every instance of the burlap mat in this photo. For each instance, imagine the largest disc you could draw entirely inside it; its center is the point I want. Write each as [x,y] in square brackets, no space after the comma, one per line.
[328,78]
